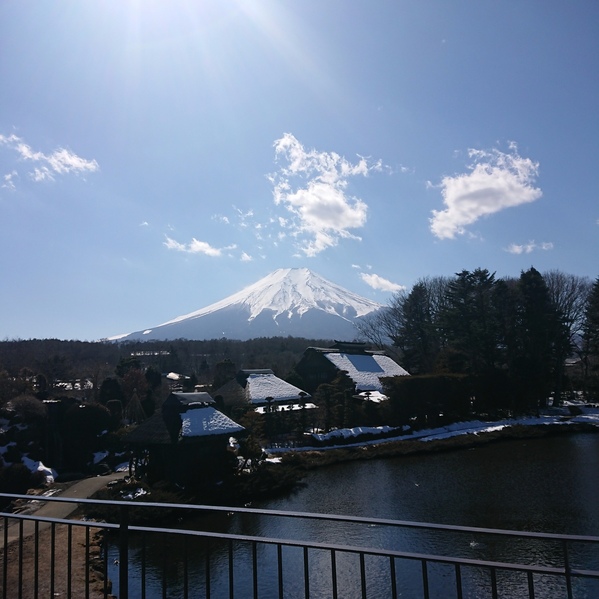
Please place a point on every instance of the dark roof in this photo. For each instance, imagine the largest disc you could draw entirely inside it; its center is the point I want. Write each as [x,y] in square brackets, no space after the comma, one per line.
[152,431]
[248,371]
[231,392]
[188,399]
[346,348]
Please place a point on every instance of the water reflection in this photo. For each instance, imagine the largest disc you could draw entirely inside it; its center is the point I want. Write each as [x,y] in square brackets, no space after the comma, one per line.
[540,485]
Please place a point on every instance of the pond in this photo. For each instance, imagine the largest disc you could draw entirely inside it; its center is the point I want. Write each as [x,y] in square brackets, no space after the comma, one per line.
[543,485]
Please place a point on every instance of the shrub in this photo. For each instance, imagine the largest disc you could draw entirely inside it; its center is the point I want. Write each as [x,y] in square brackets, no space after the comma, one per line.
[28,408]
[16,479]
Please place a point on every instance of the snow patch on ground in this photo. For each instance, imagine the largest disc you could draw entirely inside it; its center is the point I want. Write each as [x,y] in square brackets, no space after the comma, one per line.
[347,433]
[589,415]
[37,466]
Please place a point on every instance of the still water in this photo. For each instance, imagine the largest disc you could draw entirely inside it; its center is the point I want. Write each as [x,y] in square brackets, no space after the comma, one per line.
[542,485]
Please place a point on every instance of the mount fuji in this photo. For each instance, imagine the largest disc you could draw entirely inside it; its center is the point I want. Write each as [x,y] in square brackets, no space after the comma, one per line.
[288,302]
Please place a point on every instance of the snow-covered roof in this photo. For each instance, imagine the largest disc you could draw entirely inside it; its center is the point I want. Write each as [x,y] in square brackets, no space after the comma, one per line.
[201,422]
[366,370]
[261,386]
[290,407]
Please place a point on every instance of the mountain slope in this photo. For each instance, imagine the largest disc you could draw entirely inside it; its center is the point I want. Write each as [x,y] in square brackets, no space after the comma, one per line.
[288,302]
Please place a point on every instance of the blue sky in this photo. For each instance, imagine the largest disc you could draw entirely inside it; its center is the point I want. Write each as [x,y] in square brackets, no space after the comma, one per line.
[156,157]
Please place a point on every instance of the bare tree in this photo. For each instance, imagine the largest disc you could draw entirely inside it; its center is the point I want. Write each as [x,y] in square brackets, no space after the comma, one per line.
[569,295]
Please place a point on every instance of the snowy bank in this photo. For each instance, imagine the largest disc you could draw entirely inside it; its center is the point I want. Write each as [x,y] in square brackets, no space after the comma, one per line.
[341,438]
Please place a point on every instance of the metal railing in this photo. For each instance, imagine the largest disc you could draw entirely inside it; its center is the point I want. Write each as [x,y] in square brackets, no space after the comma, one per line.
[47,557]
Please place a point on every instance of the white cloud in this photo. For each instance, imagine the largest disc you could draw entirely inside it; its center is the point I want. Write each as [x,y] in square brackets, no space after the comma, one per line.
[380,283]
[197,247]
[8,180]
[495,181]
[529,247]
[46,166]
[322,211]
[245,257]
[243,217]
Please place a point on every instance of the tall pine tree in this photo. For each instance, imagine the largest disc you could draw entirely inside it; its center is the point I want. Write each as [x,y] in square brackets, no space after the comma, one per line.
[469,322]
[591,340]
[537,328]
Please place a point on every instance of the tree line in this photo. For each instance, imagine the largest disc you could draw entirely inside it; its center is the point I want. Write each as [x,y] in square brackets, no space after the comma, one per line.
[82,366]
[521,343]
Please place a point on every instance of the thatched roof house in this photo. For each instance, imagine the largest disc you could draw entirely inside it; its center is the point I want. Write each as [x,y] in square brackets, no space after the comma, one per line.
[260,387]
[365,367]
[187,439]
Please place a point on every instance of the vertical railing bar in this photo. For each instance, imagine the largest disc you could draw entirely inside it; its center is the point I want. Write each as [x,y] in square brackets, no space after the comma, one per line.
[363,575]
[87,561]
[36,565]
[124,552]
[567,570]
[69,560]
[531,586]
[255,568]
[280,569]
[334,572]
[186,567]
[207,569]
[5,559]
[494,583]
[24,573]
[306,574]
[425,579]
[52,557]
[231,577]
[458,581]
[143,565]
[20,559]
[164,567]
[393,577]
[105,561]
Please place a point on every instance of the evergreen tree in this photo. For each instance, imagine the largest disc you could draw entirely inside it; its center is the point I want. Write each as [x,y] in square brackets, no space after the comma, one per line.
[410,324]
[591,339]
[127,364]
[417,336]
[110,389]
[537,330]
[469,322]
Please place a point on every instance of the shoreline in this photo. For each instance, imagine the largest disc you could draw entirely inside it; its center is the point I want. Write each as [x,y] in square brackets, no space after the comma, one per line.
[311,457]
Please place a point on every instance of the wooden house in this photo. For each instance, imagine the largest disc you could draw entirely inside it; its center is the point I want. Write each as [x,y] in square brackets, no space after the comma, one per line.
[187,441]
[262,389]
[365,367]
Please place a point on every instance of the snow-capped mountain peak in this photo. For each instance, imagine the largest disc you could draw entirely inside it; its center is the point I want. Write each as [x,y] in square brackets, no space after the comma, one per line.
[288,301]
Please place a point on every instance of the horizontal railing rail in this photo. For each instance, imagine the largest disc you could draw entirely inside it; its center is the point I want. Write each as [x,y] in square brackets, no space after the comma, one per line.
[567,574]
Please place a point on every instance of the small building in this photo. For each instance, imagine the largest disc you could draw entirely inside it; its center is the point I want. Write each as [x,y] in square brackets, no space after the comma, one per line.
[365,367]
[187,441]
[264,390]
